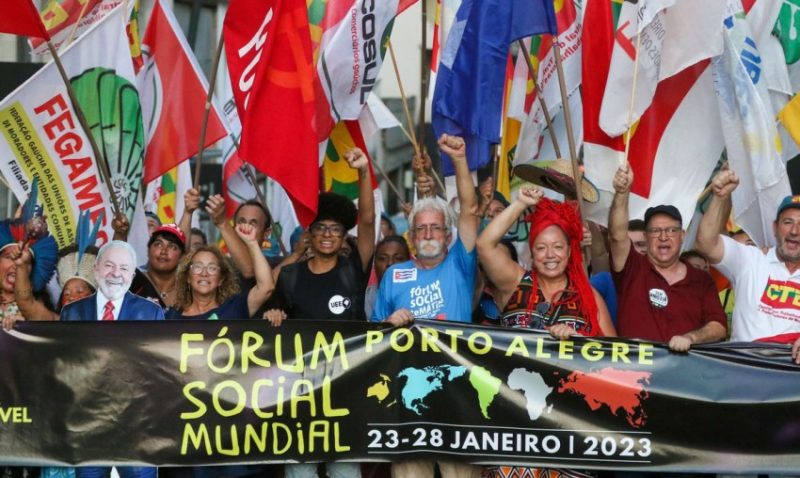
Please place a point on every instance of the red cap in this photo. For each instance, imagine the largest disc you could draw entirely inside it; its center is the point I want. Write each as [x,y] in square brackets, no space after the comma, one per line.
[174,230]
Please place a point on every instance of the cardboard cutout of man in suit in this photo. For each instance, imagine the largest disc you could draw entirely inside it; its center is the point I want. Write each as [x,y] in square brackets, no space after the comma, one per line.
[113,270]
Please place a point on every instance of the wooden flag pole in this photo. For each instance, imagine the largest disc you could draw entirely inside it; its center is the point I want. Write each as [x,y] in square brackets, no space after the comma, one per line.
[75,27]
[385,177]
[407,112]
[209,100]
[263,200]
[633,97]
[577,174]
[524,51]
[102,163]
[573,154]
[403,98]
[424,74]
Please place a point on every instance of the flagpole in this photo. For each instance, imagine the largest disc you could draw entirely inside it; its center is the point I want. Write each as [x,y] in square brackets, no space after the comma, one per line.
[251,177]
[209,100]
[633,96]
[101,159]
[540,95]
[408,116]
[386,178]
[573,154]
[424,74]
[75,27]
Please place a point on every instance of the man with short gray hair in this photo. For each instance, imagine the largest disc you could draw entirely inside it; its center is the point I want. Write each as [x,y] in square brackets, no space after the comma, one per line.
[113,269]
[438,283]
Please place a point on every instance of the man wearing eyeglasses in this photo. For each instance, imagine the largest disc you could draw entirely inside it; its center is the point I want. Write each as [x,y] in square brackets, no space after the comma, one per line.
[766,286]
[660,297]
[331,285]
[438,283]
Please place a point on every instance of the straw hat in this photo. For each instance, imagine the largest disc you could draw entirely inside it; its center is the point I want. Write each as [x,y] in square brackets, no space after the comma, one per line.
[556,175]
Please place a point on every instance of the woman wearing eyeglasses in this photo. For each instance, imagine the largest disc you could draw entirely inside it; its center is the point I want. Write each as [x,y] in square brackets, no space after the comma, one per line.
[555,295]
[208,288]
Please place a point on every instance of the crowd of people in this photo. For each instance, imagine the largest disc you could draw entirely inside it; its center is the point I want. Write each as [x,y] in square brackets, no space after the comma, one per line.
[451,266]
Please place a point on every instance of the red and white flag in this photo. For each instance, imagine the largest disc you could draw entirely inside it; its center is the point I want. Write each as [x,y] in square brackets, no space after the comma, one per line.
[173,92]
[284,112]
[676,144]
[20,17]
[524,105]
[671,35]
[351,51]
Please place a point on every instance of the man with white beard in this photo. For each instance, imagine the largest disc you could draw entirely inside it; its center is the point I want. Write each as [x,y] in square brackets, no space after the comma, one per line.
[113,269]
[438,283]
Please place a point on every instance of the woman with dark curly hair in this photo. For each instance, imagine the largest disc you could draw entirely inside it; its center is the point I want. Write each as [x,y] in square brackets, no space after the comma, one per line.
[207,287]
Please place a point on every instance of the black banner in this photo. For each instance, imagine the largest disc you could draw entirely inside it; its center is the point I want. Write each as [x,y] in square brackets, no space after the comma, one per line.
[180,393]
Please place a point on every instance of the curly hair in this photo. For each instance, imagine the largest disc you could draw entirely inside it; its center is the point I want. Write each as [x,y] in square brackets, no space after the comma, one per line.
[228,285]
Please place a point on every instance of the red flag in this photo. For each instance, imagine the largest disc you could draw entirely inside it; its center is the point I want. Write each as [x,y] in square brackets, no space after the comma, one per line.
[598,43]
[174,90]
[20,17]
[281,104]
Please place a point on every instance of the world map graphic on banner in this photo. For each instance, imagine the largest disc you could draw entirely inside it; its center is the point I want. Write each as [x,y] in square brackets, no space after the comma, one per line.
[621,392]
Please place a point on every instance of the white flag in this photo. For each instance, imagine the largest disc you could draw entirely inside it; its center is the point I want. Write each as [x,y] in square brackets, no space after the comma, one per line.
[749,129]
[675,34]
[41,135]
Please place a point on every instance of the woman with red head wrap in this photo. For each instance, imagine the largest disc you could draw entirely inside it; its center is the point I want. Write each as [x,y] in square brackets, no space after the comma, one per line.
[555,295]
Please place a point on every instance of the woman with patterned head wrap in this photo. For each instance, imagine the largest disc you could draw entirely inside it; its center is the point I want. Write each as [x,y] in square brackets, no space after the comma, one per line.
[555,295]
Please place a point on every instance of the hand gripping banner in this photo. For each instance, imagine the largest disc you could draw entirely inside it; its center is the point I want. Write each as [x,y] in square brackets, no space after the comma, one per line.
[208,392]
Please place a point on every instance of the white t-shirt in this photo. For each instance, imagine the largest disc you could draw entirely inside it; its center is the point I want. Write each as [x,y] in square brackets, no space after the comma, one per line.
[767,295]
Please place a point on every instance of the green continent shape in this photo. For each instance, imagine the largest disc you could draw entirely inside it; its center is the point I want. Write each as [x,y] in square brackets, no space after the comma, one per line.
[114,114]
[487,386]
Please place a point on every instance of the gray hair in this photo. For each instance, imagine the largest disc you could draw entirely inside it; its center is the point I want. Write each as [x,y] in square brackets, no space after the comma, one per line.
[121,244]
[435,204]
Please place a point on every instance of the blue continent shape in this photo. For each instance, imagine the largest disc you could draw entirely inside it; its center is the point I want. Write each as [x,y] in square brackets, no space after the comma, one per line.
[420,383]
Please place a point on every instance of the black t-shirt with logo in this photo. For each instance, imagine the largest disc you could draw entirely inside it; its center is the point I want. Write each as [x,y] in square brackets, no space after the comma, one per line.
[336,294]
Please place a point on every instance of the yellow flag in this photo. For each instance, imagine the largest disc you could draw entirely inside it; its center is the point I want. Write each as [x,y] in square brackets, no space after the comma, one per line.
[790,117]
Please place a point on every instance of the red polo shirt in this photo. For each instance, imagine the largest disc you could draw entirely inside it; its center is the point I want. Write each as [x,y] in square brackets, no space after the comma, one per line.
[652,309]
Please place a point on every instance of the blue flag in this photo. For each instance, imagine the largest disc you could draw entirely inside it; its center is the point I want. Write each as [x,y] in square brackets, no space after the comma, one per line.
[468,99]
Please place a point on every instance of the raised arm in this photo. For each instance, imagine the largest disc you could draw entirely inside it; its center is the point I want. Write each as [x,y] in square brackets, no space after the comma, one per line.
[191,201]
[265,285]
[29,307]
[619,242]
[366,205]
[716,216]
[468,217]
[237,248]
[499,267]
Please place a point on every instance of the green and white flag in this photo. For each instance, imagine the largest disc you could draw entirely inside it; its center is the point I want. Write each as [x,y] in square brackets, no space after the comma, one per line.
[41,134]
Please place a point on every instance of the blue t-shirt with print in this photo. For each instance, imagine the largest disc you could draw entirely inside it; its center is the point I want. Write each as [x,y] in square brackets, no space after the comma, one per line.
[442,293]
